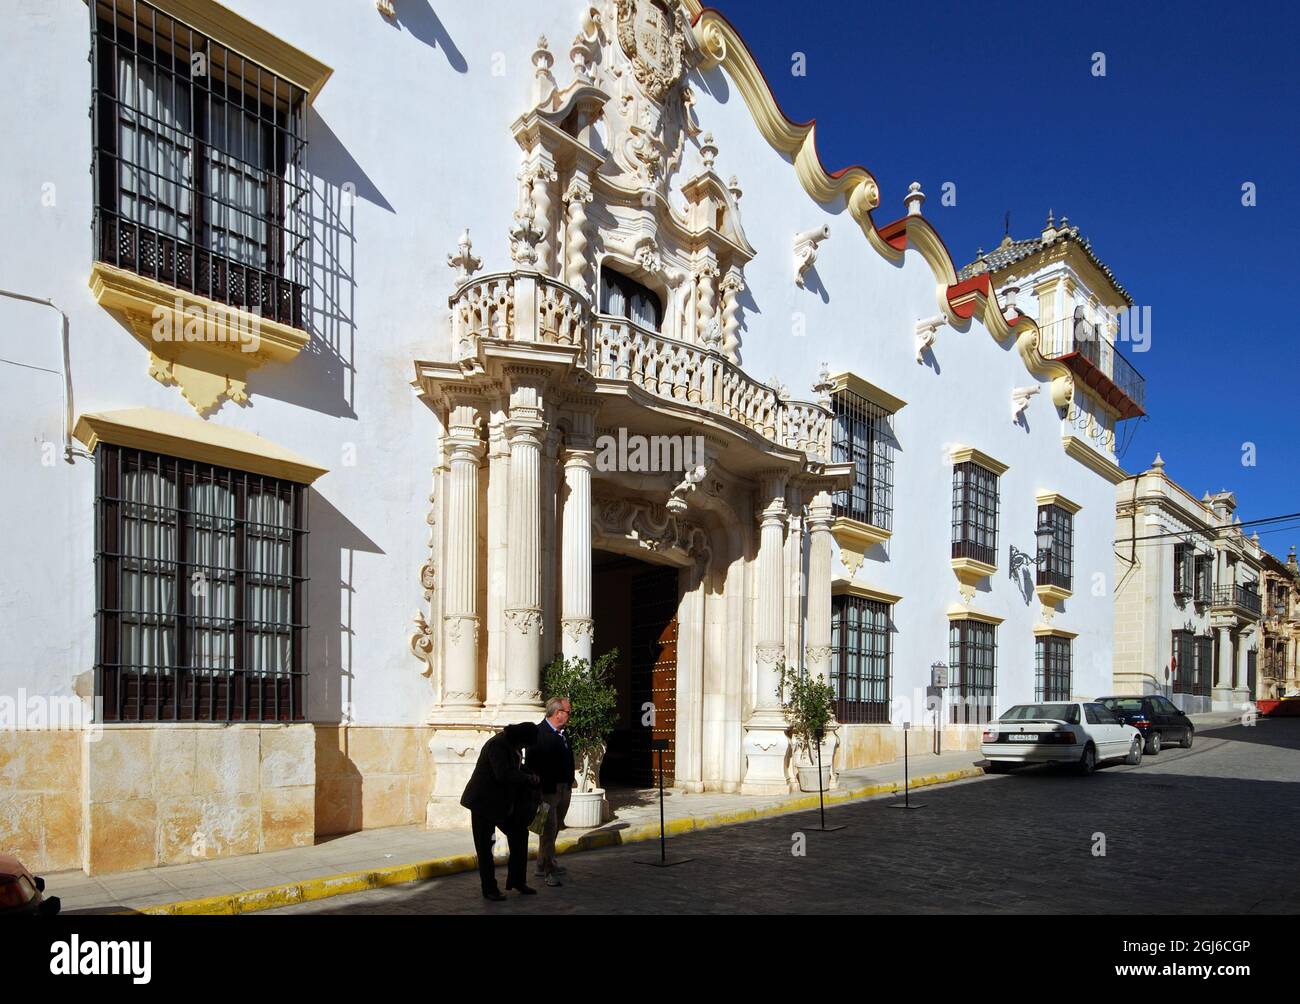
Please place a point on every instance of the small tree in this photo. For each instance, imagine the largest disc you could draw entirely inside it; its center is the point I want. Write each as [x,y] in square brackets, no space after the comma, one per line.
[808,703]
[590,690]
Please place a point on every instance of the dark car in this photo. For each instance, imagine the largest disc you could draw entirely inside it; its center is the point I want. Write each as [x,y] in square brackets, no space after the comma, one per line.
[21,892]
[1157,718]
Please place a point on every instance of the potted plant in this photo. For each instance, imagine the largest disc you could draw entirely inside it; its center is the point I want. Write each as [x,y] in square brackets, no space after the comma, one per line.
[590,689]
[809,705]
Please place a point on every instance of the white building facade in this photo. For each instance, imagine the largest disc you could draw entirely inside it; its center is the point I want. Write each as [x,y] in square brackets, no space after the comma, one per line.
[356,386]
[1187,595]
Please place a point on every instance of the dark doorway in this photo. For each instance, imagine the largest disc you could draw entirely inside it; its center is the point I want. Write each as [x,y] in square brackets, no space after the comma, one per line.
[635,608]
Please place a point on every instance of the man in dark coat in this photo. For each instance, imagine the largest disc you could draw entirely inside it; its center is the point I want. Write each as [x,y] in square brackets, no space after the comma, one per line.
[502,795]
[552,760]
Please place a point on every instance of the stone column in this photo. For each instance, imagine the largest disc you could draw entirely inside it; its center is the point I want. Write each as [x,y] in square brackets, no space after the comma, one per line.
[1221,699]
[460,620]
[766,744]
[817,647]
[1241,680]
[576,623]
[525,430]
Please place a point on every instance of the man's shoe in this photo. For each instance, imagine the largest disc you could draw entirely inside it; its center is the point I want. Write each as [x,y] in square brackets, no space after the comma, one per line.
[526,890]
[559,870]
[496,895]
[552,880]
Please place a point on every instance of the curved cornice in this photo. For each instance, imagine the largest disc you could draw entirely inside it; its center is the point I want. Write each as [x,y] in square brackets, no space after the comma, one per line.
[721,45]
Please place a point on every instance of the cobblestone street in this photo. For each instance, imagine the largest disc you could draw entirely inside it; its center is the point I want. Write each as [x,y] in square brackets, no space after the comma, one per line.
[1207,830]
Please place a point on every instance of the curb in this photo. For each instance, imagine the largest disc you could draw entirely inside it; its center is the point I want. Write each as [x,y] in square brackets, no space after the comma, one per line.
[308,890]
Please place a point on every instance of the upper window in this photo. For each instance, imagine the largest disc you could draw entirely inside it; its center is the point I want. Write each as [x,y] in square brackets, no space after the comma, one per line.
[1204,572]
[974,512]
[862,437]
[201,576]
[1053,669]
[622,296]
[1058,568]
[200,158]
[860,671]
[972,656]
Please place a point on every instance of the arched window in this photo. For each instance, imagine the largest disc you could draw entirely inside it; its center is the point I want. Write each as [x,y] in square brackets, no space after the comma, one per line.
[625,297]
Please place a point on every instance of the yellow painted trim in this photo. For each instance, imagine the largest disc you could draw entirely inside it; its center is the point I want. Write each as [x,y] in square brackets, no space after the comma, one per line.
[204,346]
[250,40]
[1052,595]
[1057,499]
[971,570]
[856,535]
[193,439]
[959,613]
[845,587]
[1094,461]
[1046,630]
[961,454]
[854,384]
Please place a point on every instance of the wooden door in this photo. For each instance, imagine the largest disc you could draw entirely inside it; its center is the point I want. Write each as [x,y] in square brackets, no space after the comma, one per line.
[653,664]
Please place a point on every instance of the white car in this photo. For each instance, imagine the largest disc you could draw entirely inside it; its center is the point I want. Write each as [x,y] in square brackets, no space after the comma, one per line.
[1069,732]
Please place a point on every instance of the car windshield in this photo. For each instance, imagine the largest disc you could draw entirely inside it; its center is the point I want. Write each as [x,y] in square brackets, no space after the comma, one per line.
[1055,712]
[1122,703]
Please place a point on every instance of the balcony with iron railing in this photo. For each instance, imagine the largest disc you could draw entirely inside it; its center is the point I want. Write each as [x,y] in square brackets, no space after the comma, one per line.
[529,307]
[1238,598]
[1093,358]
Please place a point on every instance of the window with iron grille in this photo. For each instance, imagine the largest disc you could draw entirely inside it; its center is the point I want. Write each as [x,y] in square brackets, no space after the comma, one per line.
[974,513]
[1252,672]
[860,671]
[862,436]
[1053,676]
[972,656]
[200,164]
[1204,584]
[1185,654]
[200,577]
[1058,569]
[1183,554]
[623,296]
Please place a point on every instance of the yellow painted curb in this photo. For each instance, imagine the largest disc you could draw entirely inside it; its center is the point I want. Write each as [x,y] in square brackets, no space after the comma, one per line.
[271,897]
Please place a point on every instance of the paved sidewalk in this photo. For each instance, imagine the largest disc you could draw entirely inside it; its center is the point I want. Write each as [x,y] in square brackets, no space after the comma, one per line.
[394,855]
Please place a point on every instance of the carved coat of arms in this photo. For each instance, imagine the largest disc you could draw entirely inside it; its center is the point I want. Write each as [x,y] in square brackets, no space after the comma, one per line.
[652,37]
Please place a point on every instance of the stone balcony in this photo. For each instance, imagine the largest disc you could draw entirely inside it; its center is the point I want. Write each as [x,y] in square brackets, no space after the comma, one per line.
[528,308]
[1237,600]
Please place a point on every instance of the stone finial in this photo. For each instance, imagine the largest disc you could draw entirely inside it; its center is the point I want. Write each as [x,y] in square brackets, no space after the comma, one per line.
[733,186]
[708,151]
[823,386]
[1290,559]
[386,8]
[464,261]
[1049,231]
[1009,293]
[580,57]
[543,80]
[1159,463]
[914,199]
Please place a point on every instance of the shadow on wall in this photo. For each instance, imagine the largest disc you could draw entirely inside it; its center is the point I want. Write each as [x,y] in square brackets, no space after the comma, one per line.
[323,377]
[418,17]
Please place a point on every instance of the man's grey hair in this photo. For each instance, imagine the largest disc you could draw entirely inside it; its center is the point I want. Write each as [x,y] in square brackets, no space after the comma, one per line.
[555,704]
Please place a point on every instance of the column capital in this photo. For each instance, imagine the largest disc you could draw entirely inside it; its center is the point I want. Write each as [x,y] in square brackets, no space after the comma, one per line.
[580,459]
[821,513]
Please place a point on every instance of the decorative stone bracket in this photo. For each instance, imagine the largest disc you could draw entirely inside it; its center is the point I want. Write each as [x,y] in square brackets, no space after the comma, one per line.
[805,250]
[205,347]
[927,331]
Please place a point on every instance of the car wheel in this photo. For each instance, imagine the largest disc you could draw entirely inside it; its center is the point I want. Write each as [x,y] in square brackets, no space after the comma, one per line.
[1153,742]
[1187,739]
[1135,751]
[1088,762]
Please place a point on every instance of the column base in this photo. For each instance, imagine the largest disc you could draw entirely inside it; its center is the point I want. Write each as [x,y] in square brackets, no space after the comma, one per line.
[767,760]
[455,753]
[1221,699]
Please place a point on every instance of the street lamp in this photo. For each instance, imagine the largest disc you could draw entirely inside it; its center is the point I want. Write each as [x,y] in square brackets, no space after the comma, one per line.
[1044,538]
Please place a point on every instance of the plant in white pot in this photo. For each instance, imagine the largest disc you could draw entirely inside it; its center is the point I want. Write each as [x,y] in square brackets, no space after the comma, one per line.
[590,690]
[809,706]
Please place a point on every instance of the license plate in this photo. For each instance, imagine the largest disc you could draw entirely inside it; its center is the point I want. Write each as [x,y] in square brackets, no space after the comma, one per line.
[1024,738]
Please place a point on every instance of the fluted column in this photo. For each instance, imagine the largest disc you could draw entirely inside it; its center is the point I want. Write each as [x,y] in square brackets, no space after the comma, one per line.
[817,651]
[767,745]
[524,430]
[460,620]
[575,618]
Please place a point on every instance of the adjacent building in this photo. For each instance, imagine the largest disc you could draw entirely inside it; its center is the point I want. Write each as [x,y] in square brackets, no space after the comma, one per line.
[1187,595]
[1279,644]
[369,362]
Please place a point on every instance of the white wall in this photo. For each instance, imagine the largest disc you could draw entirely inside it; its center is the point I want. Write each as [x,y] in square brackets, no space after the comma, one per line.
[416,120]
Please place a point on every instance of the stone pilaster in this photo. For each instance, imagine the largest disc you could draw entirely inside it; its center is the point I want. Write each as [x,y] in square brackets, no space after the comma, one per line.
[817,646]
[1222,693]
[767,745]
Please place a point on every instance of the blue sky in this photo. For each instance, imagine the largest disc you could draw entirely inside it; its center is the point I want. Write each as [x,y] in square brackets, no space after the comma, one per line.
[1149,161]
